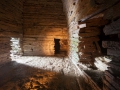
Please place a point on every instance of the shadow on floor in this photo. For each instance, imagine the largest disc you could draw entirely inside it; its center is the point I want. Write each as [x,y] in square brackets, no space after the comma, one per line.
[16,76]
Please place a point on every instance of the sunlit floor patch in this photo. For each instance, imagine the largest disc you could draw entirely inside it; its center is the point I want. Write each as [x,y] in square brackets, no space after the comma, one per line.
[101,62]
[56,64]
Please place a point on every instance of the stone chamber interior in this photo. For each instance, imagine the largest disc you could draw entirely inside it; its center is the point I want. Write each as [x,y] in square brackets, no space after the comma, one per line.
[60,45]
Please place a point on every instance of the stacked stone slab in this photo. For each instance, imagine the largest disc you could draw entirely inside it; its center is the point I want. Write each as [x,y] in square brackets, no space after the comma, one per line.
[89,37]
[111,78]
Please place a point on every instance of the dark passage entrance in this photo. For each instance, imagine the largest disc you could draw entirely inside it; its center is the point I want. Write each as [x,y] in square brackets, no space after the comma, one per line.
[57,46]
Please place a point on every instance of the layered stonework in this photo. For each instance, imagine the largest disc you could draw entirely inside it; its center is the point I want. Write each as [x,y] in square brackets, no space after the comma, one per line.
[44,21]
[10,26]
[86,19]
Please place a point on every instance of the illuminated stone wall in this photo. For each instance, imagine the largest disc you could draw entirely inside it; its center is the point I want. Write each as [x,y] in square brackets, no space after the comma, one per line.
[43,22]
[83,37]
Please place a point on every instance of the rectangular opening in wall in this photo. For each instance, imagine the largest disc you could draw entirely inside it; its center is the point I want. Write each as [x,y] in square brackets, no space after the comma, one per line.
[60,47]
[57,46]
[16,48]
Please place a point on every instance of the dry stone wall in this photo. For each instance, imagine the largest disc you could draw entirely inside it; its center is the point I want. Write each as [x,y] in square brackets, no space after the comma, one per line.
[83,32]
[111,77]
[44,21]
[76,10]
[10,26]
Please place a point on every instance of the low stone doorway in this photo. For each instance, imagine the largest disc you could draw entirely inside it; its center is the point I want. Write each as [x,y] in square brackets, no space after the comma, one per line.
[57,46]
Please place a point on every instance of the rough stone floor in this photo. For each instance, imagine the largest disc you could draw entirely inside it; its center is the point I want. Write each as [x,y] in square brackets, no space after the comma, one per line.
[38,73]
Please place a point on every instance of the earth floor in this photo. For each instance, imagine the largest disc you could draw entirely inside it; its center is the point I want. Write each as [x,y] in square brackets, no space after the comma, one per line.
[38,73]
